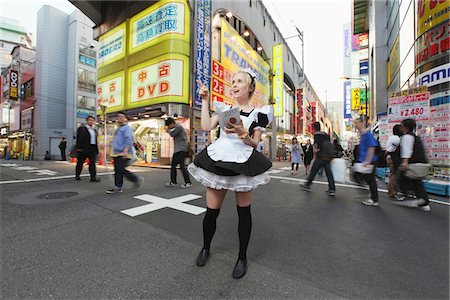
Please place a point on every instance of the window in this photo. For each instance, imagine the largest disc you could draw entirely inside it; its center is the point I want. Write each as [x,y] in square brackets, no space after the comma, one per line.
[86,102]
[87,56]
[86,80]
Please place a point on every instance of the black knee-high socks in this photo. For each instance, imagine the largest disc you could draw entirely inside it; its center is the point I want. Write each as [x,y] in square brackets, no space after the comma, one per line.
[209,226]
[244,230]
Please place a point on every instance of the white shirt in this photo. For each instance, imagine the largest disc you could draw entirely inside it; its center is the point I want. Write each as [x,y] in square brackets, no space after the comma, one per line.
[407,146]
[392,143]
[91,130]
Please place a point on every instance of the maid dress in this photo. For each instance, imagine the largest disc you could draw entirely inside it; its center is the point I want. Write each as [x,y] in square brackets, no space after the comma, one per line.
[228,163]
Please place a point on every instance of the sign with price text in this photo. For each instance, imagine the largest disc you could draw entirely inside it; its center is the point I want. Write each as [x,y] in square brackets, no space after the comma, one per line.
[409,106]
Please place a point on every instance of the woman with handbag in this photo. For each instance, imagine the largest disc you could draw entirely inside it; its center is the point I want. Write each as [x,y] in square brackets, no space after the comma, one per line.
[414,166]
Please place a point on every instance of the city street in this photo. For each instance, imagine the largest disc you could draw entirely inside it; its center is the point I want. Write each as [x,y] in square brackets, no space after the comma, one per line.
[62,238]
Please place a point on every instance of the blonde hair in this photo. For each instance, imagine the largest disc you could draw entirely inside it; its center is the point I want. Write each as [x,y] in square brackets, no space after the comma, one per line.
[250,80]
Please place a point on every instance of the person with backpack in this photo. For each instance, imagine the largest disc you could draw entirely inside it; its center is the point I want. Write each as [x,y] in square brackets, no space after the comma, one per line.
[413,162]
[366,162]
[392,155]
[324,153]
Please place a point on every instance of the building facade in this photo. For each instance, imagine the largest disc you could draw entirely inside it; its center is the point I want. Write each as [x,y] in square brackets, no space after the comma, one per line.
[66,77]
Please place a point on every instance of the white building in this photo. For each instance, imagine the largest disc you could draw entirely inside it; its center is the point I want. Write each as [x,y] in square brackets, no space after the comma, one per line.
[66,75]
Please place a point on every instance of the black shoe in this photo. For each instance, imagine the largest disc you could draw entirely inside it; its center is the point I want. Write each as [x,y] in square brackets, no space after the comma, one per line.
[306,188]
[77,178]
[202,257]
[240,269]
[95,179]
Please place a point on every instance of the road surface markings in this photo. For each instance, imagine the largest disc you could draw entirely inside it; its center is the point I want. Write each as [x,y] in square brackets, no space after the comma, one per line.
[29,169]
[158,203]
[348,186]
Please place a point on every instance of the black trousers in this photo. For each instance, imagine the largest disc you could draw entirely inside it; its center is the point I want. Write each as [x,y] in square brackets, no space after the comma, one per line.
[371,181]
[406,184]
[63,153]
[120,170]
[81,158]
[317,165]
[178,159]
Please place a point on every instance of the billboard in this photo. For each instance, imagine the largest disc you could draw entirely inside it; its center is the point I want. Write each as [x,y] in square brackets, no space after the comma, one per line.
[237,54]
[159,80]
[360,41]
[202,47]
[435,76]
[430,14]
[355,99]
[110,92]
[347,100]
[394,61]
[432,43]
[278,79]
[112,45]
[412,103]
[165,20]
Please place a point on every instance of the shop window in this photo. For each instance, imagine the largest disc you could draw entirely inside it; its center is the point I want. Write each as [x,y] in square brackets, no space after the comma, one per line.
[86,80]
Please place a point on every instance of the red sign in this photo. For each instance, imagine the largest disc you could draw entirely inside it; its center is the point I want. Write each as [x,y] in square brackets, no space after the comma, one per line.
[300,114]
[433,42]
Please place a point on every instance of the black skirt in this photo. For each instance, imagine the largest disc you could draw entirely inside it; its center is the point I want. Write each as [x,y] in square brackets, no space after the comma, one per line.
[255,165]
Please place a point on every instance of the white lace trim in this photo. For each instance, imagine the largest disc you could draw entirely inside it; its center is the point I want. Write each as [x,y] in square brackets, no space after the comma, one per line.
[229,152]
[239,183]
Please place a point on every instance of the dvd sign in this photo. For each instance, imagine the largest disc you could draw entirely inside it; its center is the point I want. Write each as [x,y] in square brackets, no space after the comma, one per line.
[13,85]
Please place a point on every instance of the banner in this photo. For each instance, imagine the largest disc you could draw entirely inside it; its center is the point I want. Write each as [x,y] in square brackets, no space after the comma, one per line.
[431,13]
[355,99]
[110,92]
[432,43]
[13,85]
[278,80]
[347,100]
[237,54]
[221,84]
[111,45]
[203,47]
[394,61]
[165,20]
[160,80]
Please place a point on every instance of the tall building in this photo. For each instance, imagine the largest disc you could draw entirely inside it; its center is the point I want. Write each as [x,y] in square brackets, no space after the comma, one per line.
[66,77]
[11,35]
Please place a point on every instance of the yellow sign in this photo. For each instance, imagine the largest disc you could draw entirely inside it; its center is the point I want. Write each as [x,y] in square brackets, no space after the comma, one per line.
[237,54]
[112,45]
[431,13]
[416,90]
[355,99]
[110,92]
[278,79]
[394,61]
[160,80]
[165,20]
[363,109]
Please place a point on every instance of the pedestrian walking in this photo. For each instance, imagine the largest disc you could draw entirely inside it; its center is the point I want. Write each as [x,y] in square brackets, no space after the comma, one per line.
[62,146]
[338,150]
[307,155]
[180,152]
[231,163]
[295,156]
[393,161]
[122,153]
[324,152]
[412,155]
[366,162]
[86,145]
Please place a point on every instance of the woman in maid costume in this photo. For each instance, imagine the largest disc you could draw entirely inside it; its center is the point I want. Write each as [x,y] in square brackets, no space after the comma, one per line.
[232,163]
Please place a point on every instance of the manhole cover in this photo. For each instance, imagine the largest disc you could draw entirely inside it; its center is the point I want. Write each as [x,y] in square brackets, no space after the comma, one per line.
[57,195]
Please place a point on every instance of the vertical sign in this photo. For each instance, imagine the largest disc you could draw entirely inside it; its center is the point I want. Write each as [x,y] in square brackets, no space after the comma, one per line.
[13,85]
[355,99]
[203,47]
[300,113]
[347,100]
[278,80]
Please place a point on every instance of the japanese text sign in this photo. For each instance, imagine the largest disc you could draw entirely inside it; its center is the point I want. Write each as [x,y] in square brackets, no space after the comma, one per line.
[111,45]
[110,91]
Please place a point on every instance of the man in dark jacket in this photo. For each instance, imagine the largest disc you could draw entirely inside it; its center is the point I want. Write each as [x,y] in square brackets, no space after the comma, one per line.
[87,148]
[62,146]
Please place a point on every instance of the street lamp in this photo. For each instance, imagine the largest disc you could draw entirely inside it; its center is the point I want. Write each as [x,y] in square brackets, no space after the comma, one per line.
[367,95]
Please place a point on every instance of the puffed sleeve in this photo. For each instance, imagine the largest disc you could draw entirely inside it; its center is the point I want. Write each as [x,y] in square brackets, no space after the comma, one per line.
[263,117]
[220,106]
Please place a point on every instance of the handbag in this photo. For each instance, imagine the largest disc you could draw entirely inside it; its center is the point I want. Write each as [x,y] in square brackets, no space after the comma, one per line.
[417,170]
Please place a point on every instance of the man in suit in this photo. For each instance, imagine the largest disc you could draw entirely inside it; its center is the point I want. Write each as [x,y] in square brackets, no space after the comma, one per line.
[62,146]
[87,148]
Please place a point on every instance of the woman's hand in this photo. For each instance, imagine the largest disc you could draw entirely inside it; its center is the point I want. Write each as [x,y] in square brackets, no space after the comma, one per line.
[238,129]
[203,91]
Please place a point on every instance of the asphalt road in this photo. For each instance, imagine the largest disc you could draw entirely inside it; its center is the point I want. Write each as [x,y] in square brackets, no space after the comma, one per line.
[303,245]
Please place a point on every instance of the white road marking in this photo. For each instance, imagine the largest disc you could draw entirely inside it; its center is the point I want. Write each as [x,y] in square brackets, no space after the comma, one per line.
[44,172]
[349,186]
[25,168]
[274,171]
[158,203]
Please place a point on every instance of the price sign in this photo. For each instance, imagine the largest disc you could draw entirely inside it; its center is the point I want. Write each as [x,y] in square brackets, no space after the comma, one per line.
[414,106]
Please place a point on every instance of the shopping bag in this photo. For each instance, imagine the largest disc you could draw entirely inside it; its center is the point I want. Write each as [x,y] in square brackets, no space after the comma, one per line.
[339,169]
